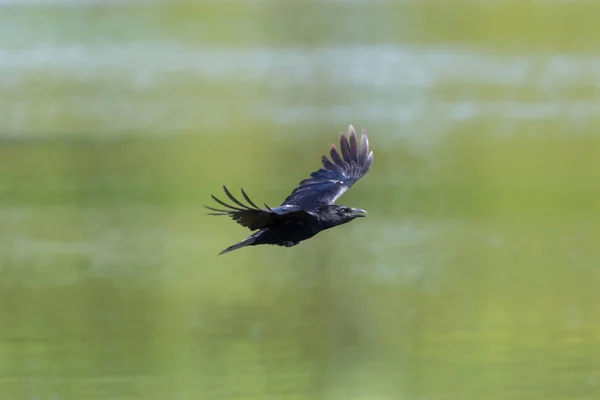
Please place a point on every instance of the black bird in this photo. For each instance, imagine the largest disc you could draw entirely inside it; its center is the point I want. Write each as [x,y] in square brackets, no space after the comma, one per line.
[309,209]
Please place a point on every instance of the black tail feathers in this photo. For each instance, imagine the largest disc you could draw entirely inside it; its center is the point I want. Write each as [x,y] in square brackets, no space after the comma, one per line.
[246,242]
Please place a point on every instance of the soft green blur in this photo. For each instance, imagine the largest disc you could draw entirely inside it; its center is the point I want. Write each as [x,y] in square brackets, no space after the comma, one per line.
[475,276]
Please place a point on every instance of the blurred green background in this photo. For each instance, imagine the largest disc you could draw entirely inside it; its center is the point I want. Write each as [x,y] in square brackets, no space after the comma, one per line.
[475,276]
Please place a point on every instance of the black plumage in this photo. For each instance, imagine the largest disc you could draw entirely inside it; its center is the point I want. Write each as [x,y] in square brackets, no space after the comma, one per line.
[309,209]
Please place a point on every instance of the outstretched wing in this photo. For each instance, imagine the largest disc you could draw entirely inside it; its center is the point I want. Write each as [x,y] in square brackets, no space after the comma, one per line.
[327,184]
[253,217]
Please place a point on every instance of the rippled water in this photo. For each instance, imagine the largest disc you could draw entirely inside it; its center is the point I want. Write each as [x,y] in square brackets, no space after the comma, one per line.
[388,84]
[474,276]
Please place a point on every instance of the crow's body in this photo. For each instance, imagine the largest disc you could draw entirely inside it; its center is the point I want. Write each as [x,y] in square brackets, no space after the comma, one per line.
[290,232]
[309,209]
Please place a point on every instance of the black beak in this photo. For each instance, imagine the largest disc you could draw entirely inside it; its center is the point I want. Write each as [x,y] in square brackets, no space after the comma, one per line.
[358,212]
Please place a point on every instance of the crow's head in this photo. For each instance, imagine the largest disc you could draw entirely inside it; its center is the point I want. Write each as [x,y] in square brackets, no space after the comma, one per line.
[350,213]
[337,215]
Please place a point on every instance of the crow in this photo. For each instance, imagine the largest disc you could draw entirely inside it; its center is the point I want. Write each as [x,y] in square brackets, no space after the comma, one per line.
[309,209]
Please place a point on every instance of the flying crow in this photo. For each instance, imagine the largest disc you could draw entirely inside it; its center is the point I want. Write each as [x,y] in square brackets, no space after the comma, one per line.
[309,209]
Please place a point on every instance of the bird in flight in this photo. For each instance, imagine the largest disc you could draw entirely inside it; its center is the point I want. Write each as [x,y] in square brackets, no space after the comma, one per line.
[309,209]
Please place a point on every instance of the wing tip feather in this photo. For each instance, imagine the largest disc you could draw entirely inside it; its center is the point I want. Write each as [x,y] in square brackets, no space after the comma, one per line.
[346,164]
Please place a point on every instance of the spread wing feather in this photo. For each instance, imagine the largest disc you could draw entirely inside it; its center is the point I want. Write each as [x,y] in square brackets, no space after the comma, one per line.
[327,184]
[253,217]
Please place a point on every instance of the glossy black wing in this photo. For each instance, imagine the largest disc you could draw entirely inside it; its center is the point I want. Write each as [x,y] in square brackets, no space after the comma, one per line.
[253,217]
[327,184]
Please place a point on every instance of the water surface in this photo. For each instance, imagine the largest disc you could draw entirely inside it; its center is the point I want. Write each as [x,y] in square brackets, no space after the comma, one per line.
[474,276]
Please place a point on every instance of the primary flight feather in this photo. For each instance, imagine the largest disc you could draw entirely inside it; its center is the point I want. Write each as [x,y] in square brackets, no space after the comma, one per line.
[309,209]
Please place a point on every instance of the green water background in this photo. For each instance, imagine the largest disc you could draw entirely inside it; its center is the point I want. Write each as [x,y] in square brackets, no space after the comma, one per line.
[475,276]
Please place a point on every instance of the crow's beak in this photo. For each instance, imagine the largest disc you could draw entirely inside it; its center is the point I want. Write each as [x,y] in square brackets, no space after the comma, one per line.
[357,212]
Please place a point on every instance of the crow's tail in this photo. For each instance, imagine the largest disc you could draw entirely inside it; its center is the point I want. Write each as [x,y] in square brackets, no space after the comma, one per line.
[251,240]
